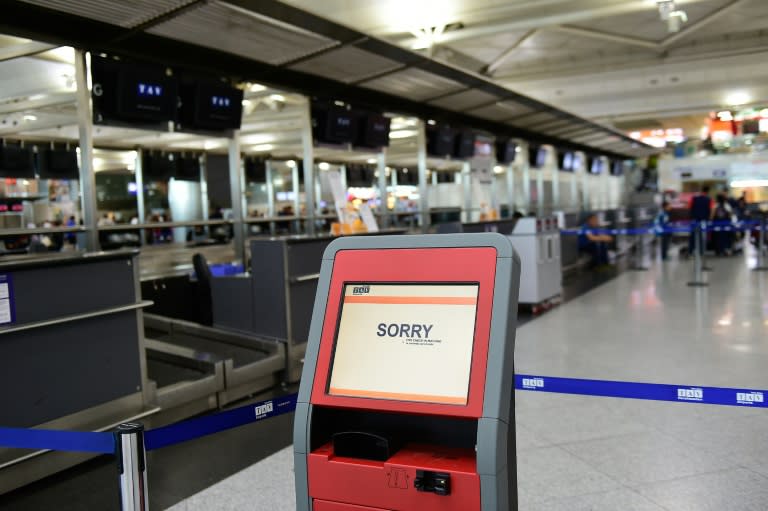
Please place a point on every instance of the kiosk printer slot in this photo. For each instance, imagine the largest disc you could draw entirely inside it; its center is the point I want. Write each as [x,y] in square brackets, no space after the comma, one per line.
[406,401]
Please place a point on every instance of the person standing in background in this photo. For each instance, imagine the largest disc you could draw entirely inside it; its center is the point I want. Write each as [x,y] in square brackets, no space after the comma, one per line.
[660,224]
[701,211]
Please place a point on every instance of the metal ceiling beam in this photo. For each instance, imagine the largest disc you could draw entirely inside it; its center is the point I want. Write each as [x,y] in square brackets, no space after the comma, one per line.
[606,36]
[562,17]
[162,18]
[31,21]
[44,102]
[24,50]
[706,20]
[496,63]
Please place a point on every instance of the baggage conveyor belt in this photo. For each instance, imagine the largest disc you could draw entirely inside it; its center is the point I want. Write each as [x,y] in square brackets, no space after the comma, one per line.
[190,363]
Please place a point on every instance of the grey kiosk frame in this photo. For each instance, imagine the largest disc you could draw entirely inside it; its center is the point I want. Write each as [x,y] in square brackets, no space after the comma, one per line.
[495,440]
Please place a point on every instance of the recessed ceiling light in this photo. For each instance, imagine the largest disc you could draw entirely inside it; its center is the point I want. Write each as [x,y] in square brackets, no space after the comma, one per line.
[737,98]
[30,117]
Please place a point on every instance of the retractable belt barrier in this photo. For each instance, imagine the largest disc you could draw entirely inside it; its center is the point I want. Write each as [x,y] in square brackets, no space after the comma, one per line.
[673,228]
[104,442]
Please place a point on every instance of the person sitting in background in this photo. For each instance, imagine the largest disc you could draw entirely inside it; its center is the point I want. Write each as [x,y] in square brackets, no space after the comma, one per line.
[596,245]
[660,223]
[722,215]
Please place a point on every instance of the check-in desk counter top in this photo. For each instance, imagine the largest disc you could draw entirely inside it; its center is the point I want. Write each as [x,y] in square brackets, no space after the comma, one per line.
[502,226]
[275,299]
[73,354]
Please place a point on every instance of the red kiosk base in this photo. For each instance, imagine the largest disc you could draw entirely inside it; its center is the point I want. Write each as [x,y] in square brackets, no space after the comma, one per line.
[406,401]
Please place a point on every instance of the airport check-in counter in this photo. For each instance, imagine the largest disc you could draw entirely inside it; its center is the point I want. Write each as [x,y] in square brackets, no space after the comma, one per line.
[72,347]
[537,242]
[197,367]
[274,300]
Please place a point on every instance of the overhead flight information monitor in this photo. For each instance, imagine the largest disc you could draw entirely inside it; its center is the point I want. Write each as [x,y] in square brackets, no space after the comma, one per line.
[406,399]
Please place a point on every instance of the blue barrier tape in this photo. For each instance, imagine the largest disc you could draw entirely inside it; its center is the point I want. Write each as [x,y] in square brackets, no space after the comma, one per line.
[667,229]
[77,441]
[203,426]
[648,391]
[103,443]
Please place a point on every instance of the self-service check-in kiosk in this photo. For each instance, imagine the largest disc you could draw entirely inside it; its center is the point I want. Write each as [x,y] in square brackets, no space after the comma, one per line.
[406,401]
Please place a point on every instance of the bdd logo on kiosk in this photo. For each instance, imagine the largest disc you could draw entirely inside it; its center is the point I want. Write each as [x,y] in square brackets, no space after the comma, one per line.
[361,290]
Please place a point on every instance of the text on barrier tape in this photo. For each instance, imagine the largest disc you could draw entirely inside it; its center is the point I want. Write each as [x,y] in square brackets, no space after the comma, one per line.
[649,391]
[210,424]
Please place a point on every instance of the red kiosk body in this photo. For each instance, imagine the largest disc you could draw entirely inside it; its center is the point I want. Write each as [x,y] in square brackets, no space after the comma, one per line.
[406,400]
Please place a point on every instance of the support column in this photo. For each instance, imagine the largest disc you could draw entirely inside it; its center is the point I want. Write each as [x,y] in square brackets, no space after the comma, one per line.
[381,168]
[308,151]
[296,189]
[555,184]
[204,207]
[540,192]
[87,175]
[270,196]
[466,185]
[141,208]
[236,179]
[510,173]
[421,147]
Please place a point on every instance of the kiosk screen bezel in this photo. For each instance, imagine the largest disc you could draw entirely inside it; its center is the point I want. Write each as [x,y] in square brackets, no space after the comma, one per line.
[470,265]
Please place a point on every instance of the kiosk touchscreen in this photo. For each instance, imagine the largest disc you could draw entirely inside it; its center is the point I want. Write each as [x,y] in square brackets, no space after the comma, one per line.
[406,400]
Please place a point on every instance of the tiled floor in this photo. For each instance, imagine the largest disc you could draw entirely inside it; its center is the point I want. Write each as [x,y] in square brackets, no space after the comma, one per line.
[579,453]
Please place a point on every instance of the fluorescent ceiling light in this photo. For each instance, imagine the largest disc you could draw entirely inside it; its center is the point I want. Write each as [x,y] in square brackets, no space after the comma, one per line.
[323,165]
[402,134]
[371,160]
[738,98]
[277,97]
[291,163]
[30,117]
[262,147]
[748,183]
[256,87]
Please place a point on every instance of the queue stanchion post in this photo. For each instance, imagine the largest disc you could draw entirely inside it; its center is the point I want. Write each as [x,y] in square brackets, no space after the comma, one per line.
[132,466]
[761,264]
[637,265]
[698,264]
[703,246]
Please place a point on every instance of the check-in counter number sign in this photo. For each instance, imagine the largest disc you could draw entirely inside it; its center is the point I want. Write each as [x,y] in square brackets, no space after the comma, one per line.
[6,300]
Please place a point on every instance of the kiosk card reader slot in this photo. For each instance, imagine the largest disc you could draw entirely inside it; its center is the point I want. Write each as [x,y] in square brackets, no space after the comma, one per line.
[406,402]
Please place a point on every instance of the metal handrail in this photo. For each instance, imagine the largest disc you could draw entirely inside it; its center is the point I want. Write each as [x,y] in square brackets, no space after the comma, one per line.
[75,317]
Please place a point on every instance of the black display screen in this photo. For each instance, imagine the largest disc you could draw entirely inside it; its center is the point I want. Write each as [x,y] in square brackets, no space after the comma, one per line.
[146,94]
[255,170]
[340,126]
[374,131]
[58,164]
[17,162]
[188,168]
[506,150]
[464,145]
[596,167]
[565,161]
[537,156]
[217,107]
[159,166]
[440,141]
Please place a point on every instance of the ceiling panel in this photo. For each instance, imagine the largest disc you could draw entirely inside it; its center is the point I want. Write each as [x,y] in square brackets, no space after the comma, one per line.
[347,64]
[648,24]
[492,112]
[124,13]
[465,100]
[248,35]
[413,84]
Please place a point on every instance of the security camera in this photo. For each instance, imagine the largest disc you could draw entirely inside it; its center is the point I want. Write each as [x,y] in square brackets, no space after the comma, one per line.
[676,19]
